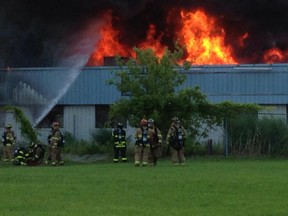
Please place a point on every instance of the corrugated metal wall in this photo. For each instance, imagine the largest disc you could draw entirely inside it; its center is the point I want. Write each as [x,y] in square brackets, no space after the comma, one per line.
[91,88]
[79,121]
[262,84]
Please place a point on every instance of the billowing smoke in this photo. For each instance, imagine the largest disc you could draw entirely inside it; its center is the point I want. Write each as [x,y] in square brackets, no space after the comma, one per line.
[39,33]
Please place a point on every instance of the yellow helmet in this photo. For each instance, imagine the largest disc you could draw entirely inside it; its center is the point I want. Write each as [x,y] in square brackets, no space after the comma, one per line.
[8,126]
[55,124]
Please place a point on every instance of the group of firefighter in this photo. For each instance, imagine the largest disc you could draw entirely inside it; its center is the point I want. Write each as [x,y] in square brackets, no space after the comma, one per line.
[149,141]
[35,153]
[148,145]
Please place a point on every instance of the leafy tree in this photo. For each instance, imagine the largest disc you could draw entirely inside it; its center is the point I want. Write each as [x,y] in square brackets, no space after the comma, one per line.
[153,85]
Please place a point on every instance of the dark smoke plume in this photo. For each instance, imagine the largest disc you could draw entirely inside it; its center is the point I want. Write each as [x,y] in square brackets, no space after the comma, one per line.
[35,33]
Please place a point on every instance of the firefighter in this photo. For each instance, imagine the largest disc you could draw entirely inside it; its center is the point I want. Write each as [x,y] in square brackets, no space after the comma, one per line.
[36,154]
[56,143]
[142,146]
[120,145]
[176,139]
[20,157]
[155,142]
[9,142]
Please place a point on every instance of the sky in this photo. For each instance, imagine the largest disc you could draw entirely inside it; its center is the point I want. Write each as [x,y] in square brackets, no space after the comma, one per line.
[39,33]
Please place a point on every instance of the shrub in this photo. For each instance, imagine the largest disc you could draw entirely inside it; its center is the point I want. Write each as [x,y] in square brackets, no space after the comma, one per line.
[82,147]
[273,136]
[101,143]
[104,139]
[249,135]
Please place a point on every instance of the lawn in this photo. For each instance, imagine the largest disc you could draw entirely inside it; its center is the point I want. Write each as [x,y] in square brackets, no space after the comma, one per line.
[204,186]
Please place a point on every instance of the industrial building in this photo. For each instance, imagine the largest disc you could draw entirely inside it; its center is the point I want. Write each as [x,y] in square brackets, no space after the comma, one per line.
[79,98]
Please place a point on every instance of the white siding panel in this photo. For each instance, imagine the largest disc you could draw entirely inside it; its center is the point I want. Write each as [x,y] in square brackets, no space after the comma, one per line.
[273,111]
[79,121]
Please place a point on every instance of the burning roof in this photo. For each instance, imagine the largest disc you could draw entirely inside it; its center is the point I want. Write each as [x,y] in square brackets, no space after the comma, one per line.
[212,32]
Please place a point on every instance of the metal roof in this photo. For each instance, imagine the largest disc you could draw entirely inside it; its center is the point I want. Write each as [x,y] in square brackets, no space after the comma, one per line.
[259,83]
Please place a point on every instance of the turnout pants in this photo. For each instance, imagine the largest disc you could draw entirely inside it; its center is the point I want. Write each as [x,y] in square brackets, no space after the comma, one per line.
[56,155]
[119,151]
[8,153]
[141,154]
[178,156]
[154,155]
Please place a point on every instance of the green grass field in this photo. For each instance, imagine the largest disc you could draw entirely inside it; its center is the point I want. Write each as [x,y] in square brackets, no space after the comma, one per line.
[204,186]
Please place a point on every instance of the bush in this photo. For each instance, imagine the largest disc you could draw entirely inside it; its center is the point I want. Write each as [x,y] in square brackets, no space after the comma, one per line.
[104,139]
[273,136]
[249,135]
[101,143]
[82,147]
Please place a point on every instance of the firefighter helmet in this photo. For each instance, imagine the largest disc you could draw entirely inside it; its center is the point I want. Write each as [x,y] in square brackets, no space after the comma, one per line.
[32,144]
[8,126]
[175,119]
[55,124]
[119,125]
[144,122]
[151,121]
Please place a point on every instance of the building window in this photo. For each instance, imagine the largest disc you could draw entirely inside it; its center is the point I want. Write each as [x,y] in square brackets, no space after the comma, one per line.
[102,115]
[56,114]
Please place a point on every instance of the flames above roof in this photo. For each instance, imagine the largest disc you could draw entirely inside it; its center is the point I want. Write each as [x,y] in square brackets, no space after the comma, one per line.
[213,32]
[203,38]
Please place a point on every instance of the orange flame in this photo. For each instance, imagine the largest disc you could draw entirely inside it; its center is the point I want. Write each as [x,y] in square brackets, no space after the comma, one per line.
[152,42]
[203,39]
[108,44]
[275,55]
[242,39]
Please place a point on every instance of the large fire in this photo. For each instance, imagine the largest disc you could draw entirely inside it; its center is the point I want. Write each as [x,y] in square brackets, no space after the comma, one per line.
[203,39]
[152,42]
[108,45]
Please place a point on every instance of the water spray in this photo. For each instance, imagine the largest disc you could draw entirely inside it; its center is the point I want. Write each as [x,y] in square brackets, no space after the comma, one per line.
[27,88]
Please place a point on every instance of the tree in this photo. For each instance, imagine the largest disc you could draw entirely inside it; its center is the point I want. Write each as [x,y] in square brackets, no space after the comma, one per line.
[152,84]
